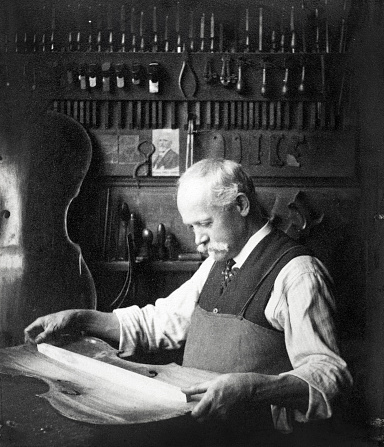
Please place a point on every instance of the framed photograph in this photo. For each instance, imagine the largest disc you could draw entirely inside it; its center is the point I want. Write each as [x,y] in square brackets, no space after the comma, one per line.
[166,160]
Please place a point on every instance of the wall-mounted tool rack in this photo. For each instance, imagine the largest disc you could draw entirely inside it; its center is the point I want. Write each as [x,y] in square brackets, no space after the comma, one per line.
[268,85]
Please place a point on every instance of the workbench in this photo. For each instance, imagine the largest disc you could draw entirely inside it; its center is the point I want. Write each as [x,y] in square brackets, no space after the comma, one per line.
[28,419]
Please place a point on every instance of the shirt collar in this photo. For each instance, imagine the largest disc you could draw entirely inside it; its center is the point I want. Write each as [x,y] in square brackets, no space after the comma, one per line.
[251,244]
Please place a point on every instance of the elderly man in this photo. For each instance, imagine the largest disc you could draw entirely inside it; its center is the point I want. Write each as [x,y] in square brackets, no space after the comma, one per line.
[259,310]
[167,159]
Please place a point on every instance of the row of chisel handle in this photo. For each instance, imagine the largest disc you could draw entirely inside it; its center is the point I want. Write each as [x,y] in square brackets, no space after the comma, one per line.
[291,29]
[227,115]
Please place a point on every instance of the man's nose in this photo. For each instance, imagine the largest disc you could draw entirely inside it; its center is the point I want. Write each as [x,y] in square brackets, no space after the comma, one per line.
[201,237]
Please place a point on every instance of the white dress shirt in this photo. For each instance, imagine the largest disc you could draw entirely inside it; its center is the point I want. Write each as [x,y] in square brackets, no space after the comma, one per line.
[301,305]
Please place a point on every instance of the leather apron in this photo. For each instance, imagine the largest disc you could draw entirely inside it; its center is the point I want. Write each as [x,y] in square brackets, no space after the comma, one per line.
[229,333]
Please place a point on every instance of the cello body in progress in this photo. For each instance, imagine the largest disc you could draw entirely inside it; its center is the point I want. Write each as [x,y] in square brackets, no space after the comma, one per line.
[43,162]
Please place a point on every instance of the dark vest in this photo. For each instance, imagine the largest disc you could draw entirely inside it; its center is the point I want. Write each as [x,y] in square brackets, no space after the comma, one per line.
[238,338]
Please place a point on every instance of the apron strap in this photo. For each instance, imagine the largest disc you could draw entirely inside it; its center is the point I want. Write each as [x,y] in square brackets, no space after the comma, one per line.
[273,266]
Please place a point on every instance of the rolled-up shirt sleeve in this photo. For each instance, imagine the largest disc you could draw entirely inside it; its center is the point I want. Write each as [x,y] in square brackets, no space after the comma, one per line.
[165,324]
[302,305]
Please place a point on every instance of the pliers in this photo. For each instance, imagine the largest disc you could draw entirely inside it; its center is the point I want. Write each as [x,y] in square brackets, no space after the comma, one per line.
[187,66]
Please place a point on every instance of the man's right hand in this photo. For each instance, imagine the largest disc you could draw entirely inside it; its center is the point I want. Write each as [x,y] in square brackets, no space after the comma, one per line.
[47,328]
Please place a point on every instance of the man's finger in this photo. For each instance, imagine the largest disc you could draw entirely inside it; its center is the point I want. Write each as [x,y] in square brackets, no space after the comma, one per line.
[196,389]
[202,409]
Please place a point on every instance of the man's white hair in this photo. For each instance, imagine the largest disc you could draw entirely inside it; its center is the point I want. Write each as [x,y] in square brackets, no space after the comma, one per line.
[225,179]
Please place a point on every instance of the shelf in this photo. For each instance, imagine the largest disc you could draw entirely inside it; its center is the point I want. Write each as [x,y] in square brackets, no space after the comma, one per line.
[156,266]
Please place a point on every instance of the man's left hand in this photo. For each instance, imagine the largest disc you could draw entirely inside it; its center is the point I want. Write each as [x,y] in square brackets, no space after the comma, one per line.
[221,396]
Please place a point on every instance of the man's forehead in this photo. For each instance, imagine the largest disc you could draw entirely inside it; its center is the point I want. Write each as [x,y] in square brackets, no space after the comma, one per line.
[193,194]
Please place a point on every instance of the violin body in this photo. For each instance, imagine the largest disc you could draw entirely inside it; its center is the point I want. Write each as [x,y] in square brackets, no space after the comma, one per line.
[43,161]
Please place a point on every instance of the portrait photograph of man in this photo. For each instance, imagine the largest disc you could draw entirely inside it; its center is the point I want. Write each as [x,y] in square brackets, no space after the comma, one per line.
[165,160]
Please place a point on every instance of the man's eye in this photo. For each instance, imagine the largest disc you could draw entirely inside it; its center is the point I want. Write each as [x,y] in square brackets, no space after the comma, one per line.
[205,224]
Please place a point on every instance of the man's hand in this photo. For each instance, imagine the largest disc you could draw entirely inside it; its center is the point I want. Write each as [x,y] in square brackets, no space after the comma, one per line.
[46,328]
[222,395]
[237,391]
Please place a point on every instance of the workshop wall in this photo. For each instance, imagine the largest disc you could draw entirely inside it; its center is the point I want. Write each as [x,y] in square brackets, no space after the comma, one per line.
[269,84]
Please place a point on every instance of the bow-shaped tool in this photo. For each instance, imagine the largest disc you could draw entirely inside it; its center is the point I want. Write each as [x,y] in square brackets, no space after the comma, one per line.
[185,68]
[146,149]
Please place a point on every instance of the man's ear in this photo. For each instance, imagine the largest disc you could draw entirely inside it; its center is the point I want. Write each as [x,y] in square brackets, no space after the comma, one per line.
[242,204]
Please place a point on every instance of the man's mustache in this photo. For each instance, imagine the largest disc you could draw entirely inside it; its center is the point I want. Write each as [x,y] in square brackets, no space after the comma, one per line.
[212,247]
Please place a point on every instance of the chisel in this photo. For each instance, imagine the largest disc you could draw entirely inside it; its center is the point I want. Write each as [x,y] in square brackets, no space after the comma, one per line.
[191,32]
[247,48]
[154,30]
[133,30]
[122,29]
[166,37]
[202,32]
[177,29]
[141,31]
[212,33]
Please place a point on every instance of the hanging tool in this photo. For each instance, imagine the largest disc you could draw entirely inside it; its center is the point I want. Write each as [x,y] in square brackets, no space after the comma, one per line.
[284,89]
[260,30]
[99,27]
[202,32]
[125,252]
[133,30]
[166,37]
[90,34]
[53,29]
[92,75]
[212,33]
[301,87]
[78,33]
[263,89]
[177,29]
[154,30]
[145,149]
[273,41]
[120,70]
[236,148]
[240,84]
[141,31]
[303,27]
[326,28]
[342,29]
[106,70]
[160,239]
[128,291]
[124,215]
[317,32]
[246,49]
[209,75]
[225,75]
[122,29]
[137,73]
[293,32]
[25,44]
[146,247]
[16,42]
[153,77]
[189,157]
[191,32]
[110,28]
[83,77]
[282,31]
[185,69]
